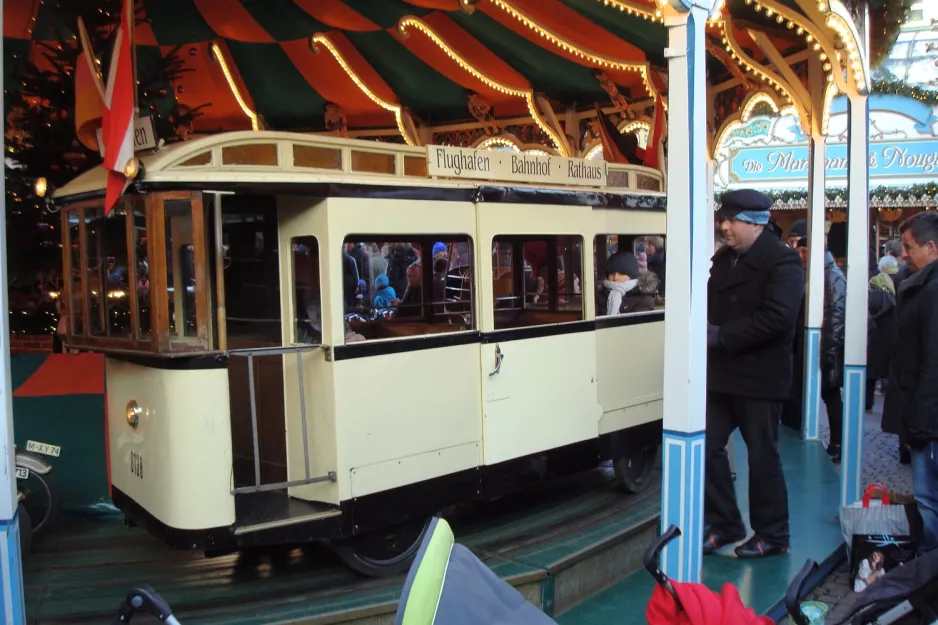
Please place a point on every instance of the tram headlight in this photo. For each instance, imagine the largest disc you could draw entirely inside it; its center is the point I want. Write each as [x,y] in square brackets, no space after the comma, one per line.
[133,413]
[131,169]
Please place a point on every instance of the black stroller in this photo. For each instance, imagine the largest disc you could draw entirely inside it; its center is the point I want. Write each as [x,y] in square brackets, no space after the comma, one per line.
[906,595]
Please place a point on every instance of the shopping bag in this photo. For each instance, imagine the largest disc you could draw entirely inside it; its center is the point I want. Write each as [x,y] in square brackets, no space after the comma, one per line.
[875,555]
[875,515]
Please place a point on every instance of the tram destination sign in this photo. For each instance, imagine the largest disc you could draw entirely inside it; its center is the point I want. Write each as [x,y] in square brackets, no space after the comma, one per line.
[144,135]
[476,164]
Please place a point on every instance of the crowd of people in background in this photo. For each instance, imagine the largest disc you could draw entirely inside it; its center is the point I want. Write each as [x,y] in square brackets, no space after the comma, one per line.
[756,354]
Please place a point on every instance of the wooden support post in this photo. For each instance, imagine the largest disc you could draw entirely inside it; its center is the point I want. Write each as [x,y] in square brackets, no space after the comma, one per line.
[814,304]
[690,240]
[858,230]
[858,256]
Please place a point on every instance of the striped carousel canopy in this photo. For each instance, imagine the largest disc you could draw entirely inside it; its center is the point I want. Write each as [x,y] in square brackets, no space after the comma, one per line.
[400,63]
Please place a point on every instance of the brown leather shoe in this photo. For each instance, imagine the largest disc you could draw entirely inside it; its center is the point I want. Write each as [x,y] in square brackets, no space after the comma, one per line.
[755,547]
[713,542]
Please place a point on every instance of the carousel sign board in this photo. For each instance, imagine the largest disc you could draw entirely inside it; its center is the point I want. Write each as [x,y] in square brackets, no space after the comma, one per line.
[476,164]
[895,159]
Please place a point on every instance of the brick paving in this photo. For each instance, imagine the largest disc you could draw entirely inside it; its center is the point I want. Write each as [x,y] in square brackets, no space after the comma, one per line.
[880,464]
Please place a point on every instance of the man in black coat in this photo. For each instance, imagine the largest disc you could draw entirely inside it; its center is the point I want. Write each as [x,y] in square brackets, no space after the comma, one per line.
[755,289]
[912,398]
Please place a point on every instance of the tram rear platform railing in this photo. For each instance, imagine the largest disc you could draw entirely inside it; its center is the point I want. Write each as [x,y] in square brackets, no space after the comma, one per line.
[298,351]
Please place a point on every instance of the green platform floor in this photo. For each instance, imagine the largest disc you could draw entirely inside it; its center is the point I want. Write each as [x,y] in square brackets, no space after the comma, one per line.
[813,499]
[80,573]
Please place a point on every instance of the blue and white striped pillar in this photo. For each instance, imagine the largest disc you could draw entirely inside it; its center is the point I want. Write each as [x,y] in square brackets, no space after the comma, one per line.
[690,242]
[814,302]
[858,231]
[11,569]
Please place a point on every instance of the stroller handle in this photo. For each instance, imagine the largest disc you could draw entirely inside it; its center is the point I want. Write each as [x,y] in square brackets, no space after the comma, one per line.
[796,591]
[651,559]
[143,598]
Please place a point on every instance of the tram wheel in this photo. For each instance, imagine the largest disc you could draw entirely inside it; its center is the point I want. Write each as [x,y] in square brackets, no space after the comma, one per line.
[634,469]
[386,552]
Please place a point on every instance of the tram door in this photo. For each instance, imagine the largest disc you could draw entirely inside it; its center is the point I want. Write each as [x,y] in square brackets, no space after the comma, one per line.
[538,351]
[306,321]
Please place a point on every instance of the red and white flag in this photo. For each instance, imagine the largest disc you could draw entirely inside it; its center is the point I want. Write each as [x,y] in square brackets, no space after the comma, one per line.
[117,130]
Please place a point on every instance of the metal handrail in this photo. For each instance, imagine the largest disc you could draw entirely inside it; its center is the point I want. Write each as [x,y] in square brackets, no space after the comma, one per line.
[278,350]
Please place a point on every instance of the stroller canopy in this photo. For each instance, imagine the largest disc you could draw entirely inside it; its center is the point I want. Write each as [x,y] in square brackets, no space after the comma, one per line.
[700,606]
[448,585]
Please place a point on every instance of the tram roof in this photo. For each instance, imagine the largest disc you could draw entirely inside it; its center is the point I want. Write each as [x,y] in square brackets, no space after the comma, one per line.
[284,160]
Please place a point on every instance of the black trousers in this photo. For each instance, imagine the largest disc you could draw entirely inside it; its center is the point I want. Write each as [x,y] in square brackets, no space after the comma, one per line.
[835,412]
[757,421]
[870,393]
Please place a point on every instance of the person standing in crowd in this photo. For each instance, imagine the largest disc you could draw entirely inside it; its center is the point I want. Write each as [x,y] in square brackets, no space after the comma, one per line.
[755,287]
[654,250]
[912,397]
[832,344]
[798,229]
[881,327]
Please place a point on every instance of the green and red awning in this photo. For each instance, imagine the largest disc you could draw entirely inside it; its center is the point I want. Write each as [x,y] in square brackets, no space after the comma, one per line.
[524,45]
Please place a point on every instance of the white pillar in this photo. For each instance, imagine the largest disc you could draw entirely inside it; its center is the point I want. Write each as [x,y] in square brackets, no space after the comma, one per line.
[814,304]
[690,241]
[858,230]
[11,569]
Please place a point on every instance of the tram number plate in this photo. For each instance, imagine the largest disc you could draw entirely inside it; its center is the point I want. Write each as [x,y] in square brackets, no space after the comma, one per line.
[136,464]
[22,473]
[43,448]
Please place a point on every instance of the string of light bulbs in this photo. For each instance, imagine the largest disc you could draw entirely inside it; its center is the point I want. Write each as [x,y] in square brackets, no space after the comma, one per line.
[526,94]
[321,39]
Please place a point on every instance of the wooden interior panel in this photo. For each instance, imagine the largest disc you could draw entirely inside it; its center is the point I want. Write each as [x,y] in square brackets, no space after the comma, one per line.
[268,395]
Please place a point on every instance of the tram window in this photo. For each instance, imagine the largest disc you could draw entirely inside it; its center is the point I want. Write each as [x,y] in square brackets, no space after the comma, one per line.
[95,287]
[403,288]
[640,293]
[109,301]
[252,270]
[77,321]
[180,279]
[307,322]
[136,270]
[537,280]
[141,290]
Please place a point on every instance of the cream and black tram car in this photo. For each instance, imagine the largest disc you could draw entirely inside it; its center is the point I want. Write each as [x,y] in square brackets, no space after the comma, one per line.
[310,338]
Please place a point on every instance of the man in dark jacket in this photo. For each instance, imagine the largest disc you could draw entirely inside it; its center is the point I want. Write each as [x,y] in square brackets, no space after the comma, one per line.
[832,344]
[755,289]
[912,398]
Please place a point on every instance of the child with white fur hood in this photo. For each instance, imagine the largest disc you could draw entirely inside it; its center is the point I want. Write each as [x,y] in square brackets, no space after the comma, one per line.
[629,288]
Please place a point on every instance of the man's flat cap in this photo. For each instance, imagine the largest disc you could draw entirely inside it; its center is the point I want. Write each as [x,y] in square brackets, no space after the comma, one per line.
[742,201]
[799,229]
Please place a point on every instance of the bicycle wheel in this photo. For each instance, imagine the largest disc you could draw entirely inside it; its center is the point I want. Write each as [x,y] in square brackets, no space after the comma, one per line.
[43,499]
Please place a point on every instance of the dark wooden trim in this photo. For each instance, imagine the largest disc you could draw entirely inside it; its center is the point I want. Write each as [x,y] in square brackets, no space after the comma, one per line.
[156,259]
[365,349]
[179,361]
[618,321]
[539,331]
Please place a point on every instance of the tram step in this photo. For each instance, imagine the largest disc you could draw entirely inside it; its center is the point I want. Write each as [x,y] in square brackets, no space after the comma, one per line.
[255,512]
